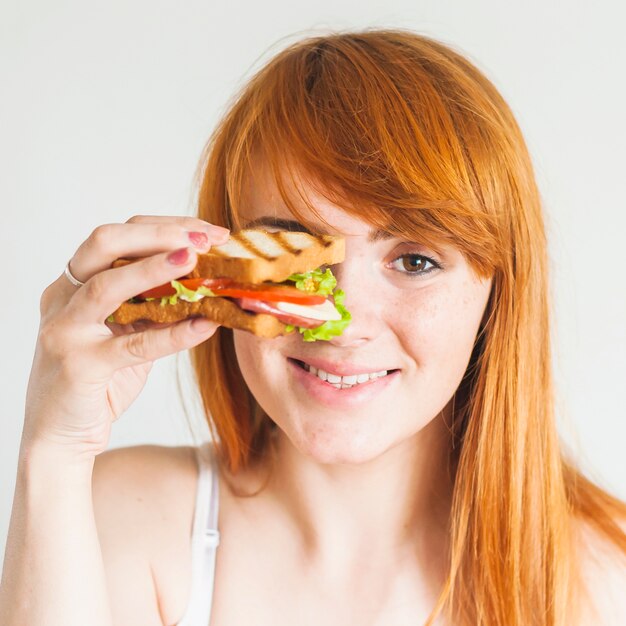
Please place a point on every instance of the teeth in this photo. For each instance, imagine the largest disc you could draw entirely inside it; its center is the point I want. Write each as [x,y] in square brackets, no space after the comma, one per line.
[344,382]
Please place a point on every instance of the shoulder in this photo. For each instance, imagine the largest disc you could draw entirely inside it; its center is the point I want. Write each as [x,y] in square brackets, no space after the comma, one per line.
[603,572]
[140,477]
[144,500]
[142,490]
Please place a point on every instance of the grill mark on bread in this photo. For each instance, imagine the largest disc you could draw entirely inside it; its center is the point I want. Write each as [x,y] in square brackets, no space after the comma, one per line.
[283,243]
[248,245]
[242,262]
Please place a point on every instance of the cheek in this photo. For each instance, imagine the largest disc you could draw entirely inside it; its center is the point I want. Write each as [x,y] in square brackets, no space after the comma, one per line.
[261,366]
[250,352]
[438,329]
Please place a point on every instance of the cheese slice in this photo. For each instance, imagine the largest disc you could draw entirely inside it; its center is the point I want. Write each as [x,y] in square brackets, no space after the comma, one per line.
[324,312]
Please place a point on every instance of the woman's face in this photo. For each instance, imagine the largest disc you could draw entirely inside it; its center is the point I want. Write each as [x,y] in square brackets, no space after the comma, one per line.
[415,315]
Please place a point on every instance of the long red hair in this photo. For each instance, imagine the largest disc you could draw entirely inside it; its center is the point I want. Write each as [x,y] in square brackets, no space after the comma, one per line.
[405,133]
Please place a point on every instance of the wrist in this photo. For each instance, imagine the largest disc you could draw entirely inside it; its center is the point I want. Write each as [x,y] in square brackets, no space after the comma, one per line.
[41,457]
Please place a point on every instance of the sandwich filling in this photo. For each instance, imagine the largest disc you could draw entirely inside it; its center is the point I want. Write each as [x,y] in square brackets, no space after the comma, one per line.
[301,302]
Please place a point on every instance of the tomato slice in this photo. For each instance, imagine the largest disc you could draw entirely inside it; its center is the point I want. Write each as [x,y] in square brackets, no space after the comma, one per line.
[189,283]
[269,293]
[227,288]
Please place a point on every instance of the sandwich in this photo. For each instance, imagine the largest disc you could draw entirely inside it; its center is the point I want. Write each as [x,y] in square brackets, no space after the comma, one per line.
[269,284]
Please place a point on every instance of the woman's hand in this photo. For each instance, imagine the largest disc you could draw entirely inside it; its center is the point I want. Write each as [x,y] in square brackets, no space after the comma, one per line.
[86,372]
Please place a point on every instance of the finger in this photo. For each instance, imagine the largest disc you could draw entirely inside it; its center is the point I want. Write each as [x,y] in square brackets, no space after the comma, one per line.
[56,295]
[140,325]
[126,329]
[120,329]
[141,236]
[113,241]
[187,221]
[103,293]
[155,343]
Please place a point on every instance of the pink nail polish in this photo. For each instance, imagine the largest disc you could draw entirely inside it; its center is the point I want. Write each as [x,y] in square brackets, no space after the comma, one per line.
[199,240]
[178,257]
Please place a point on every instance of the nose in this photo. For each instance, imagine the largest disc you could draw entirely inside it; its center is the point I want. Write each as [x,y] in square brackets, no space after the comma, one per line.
[366,323]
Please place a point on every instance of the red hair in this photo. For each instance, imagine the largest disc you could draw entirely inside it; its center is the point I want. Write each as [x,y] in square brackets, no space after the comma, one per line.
[406,134]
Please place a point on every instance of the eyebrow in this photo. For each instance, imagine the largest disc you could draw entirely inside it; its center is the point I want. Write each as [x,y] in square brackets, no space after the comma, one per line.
[373,236]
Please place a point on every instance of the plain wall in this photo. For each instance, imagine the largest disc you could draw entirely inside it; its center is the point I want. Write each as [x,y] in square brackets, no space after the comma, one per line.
[105,107]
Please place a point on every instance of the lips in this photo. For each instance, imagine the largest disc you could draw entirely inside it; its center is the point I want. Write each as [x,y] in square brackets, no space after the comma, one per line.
[341,395]
[343,368]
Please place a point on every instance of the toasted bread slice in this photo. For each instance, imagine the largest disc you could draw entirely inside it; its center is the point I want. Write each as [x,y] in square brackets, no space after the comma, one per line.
[255,256]
[218,310]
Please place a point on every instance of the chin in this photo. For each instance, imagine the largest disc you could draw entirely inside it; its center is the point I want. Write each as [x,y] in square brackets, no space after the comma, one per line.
[333,446]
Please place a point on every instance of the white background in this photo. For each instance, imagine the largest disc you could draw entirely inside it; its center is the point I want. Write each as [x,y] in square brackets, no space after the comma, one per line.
[105,107]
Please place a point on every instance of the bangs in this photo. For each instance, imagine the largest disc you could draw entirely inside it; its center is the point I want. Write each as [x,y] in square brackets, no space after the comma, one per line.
[398,131]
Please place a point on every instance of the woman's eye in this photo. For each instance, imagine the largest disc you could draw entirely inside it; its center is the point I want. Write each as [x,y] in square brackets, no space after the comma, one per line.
[414,264]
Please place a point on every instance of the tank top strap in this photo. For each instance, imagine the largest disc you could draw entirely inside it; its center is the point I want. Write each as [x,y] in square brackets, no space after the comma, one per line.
[205,538]
[207,496]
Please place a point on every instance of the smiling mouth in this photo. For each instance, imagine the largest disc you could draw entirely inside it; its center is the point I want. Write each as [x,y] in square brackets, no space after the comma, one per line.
[342,382]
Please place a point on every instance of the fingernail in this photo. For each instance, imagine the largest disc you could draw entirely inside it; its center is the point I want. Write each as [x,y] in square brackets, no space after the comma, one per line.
[199,240]
[179,257]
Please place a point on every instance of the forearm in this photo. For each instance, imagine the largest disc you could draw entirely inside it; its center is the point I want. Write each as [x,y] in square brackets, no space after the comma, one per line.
[53,569]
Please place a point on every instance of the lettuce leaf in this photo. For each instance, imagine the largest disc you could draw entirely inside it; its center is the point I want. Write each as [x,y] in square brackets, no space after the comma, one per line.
[322,283]
[191,295]
[317,282]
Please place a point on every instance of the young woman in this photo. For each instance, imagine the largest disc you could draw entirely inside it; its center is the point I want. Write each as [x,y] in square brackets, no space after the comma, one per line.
[434,493]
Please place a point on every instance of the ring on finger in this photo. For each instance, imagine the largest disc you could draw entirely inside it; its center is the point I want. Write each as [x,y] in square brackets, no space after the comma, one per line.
[71,277]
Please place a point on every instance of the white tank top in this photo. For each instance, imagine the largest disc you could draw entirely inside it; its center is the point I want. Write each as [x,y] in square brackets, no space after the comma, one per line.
[205,538]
